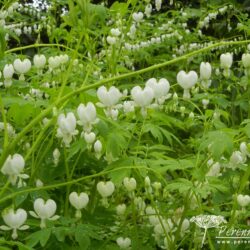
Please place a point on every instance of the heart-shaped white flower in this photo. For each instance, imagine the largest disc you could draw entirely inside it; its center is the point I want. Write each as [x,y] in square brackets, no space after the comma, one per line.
[8,71]
[44,210]
[142,97]
[123,243]
[129,183]
[14,220]
[243,200]
[105,189]
[87,115]
[246,60]
[67,127]
[138,17]
[226,60]
[187,80]
[22,67]
[160,88]
[205,70]
[89,137]
[115,32]
[109,97]
[111,40]
[13,166]
[79,201]
[39,61]
[67,123]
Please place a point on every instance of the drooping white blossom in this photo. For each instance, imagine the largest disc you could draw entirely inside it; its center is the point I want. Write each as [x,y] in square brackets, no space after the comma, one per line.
[13,168]
[66,127]
[78,201]
[44,210]
[187,81]
[14,220]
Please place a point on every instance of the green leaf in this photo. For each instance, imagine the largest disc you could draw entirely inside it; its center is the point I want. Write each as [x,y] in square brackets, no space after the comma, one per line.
[218,142]
[41,236]
[180,184]
[82,237]
[154,130]
[120,8]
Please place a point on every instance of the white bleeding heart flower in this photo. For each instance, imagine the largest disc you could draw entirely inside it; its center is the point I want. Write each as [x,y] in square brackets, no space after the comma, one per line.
[13,167]
[111,40]
[160,88]
[10,129]
[14,220]
[205,102]
[128,106]
[39,61]
[236,159]
[22,67]
[121,209]
[246,60]
[142,97]
[45,210]
[137,17]
[56,156]
[205,74]
[54,62]
[187,81]
[98,146]
[105,189]
[158,4]
[246,63]
[67,127]
[78,201]
[89,137]
[64,58]
[226,60]
[243,200]
[115,32]
[148,10]
[153,215]
[8,72]
[244,149]
[114,114]
[108,98]
[129,183]
[123,243]
[87,115]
